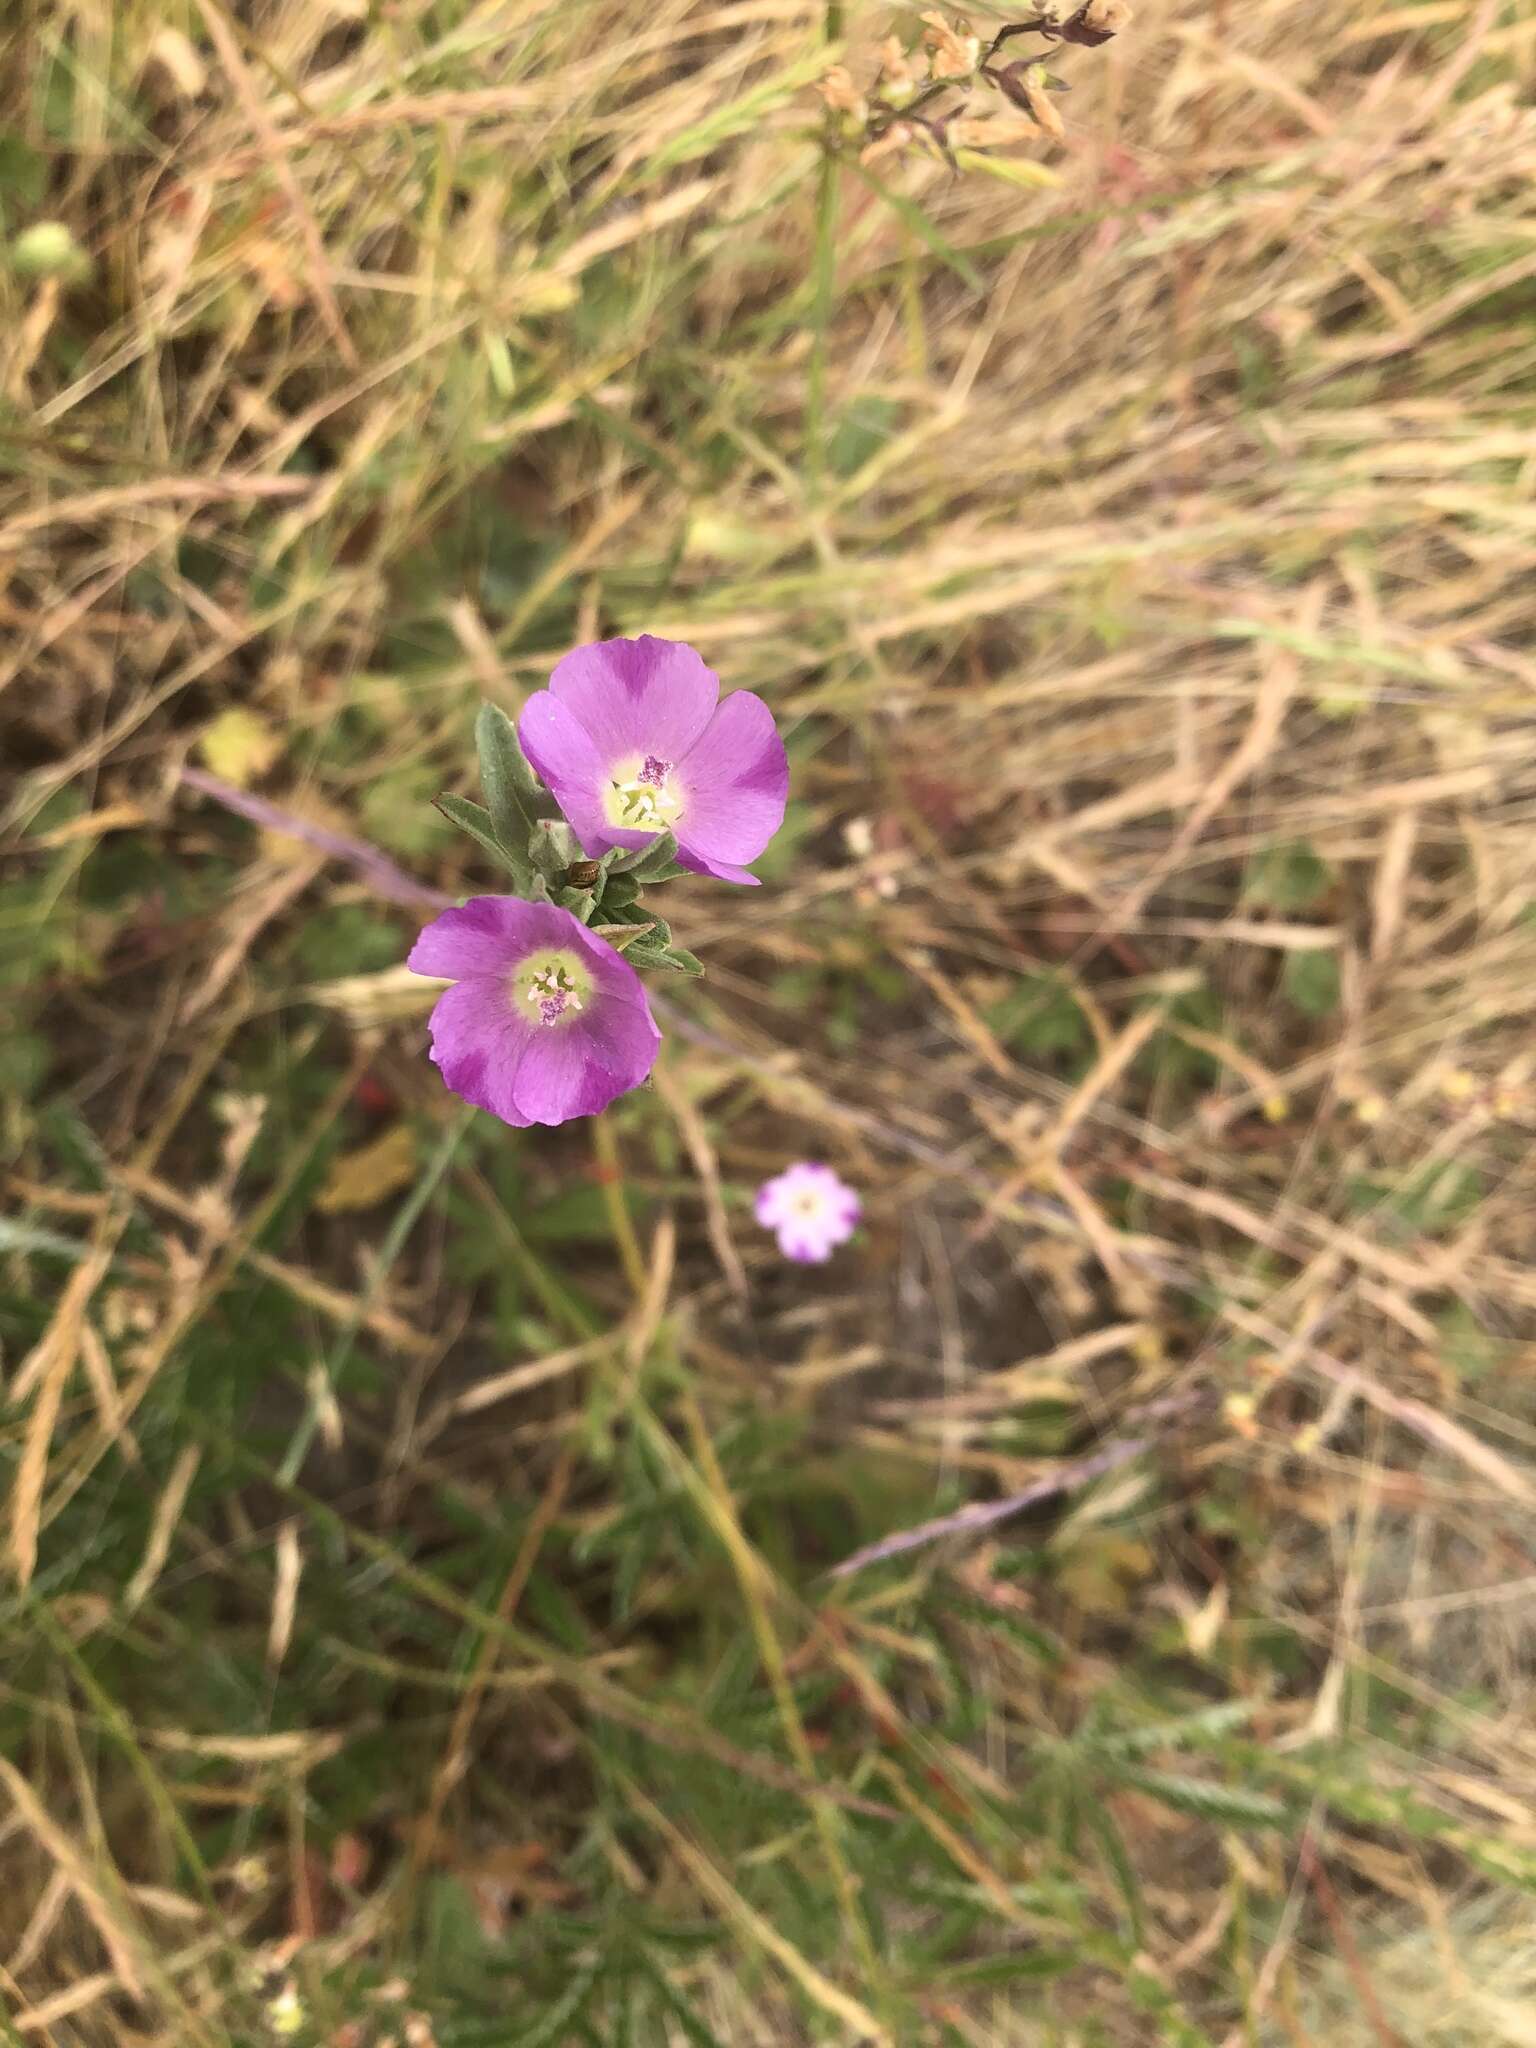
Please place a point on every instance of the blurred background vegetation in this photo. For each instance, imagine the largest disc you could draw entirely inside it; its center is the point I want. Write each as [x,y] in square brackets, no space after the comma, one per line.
[417,1602]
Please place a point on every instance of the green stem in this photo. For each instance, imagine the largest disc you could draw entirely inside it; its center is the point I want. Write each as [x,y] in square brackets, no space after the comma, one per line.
[823,280]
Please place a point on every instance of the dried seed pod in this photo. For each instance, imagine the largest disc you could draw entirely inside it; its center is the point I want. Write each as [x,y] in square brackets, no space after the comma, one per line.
[1095,23]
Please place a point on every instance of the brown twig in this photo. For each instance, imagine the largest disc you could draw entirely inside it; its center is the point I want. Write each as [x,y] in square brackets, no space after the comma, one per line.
[1349,1949]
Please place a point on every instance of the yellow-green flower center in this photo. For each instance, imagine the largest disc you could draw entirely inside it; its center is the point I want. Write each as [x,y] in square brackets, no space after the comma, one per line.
[551,988]
[641,796]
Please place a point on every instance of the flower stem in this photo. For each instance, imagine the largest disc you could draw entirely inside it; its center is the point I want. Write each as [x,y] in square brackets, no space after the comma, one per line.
[610,1174]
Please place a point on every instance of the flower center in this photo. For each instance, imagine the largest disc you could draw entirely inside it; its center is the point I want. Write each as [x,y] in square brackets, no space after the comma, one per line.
[552,987]
[640,796]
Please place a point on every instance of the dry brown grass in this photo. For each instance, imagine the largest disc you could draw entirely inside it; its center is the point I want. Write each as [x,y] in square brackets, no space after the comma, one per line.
[1203,531]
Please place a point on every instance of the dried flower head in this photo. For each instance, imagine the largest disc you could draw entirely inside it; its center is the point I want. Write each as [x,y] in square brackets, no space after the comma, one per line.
[842,95]
[1094,23]
[902,72]
[887,142]
[1025,85]
[954,52]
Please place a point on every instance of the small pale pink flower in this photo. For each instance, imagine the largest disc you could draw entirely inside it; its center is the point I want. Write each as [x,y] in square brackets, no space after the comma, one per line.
[632,740]
[545,1021]
[810,1210]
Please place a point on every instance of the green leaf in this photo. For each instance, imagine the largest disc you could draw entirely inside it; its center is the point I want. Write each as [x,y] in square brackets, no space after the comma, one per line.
[864,426]
[347,938]
[565,2010]
[513,793]
[1112,1844]
[651,952]
[687,2016]
[1287,877]
[1025,1965]
[1041,1016]
[1236,1804]
[23,171]
[1207,1724]
[476,821]
[913,216]
[637,913]
[396,809]
[617,892]
[1467,1345]
[739,115]
[25,1057]
[1311,981]
[1432,1201]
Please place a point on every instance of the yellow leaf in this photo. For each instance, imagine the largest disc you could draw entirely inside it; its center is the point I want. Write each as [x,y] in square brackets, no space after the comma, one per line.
[360,1179]
[1103,1569]
[1013,170]
[239,746]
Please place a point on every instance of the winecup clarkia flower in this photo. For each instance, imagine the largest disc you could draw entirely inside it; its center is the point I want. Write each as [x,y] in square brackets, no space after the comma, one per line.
[810,1210]
[632,740]
[545,1021]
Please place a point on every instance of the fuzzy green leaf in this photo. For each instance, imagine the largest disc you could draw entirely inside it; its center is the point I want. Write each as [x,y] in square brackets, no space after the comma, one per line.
[654,952]
[513,793]
[1237,1805]
[617,892]
[476,821]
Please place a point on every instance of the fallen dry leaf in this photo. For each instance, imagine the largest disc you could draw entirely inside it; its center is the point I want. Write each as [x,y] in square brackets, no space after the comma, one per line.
[239,746]
[358,1180]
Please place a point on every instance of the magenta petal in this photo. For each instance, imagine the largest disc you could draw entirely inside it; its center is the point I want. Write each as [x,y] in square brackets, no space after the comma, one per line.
[564,758]
[478,937]
[644,696]
[512,1065]
[479,1043]
[611,1049]
[612,976]
[622,1039]
[580,1071]
[805,1247]
[734,785]
[556,1080]
[722,870]
[490,935]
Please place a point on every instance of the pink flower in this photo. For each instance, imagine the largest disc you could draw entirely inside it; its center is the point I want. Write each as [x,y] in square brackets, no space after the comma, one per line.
[811,1210]
[632,740]
[545,1021]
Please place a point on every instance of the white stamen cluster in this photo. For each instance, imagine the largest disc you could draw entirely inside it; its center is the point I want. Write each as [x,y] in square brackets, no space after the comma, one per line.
[552,993]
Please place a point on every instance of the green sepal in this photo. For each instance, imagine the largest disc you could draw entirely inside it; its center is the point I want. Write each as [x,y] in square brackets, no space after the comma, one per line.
[639,913]
[656,862]
[552,846]
[580,903]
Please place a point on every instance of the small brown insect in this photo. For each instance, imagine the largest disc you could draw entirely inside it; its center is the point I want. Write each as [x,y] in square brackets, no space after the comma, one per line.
[582,874]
